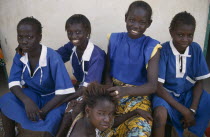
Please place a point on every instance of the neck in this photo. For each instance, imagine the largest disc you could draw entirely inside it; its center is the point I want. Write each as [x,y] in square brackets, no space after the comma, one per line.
[89,128]
[82,47]
[36,52]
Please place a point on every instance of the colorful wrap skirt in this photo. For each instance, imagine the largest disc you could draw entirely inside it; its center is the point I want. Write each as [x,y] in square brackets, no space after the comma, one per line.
[135,126]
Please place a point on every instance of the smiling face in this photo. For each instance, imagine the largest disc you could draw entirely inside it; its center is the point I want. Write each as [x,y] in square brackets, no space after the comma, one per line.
[28,38]
[77,34]
[182,36]
[137,21]
[101,116]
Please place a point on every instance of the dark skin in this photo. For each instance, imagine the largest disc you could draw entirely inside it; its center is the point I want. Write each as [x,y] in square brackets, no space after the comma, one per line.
[29,41]
[182,37]
[79,36]
[137,22]
[68,118]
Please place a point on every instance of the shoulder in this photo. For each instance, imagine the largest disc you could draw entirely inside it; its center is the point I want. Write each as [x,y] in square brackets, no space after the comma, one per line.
[98,50]
[166,49]
[195,46]
[118,35]
[53,55]
[150,41]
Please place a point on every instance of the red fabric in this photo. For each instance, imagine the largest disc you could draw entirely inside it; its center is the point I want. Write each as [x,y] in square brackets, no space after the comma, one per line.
[207,132]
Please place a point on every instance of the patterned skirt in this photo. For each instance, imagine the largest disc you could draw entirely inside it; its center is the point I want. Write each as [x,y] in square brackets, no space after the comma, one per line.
[135,126]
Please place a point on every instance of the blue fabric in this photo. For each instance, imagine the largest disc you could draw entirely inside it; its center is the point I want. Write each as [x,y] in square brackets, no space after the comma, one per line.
[195,67]
[54,77]
[93,68]
[129,57]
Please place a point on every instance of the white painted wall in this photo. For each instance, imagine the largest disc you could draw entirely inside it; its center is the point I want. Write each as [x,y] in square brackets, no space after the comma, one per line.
[106,16]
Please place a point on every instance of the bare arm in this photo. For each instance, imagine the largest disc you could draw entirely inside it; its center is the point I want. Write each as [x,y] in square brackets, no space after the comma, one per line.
[197,91]
[143,90]
[108,79]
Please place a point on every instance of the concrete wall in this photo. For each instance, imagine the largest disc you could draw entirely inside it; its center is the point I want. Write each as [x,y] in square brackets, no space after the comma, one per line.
[106,16]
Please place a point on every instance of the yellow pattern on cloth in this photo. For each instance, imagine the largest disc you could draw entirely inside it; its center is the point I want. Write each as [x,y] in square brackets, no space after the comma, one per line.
[135,126]
[158,46]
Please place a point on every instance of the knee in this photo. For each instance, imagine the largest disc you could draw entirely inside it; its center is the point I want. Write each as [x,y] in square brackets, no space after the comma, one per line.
[160,116]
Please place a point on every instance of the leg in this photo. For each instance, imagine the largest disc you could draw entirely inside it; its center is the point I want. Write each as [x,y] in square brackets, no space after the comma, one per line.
[65,125]
[8,125]
[160,118]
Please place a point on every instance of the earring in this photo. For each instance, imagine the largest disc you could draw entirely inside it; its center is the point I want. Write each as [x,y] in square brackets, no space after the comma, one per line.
[88,36]
[87,115]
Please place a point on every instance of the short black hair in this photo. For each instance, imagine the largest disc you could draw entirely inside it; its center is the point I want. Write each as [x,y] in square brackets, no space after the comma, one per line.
[32,21]
[140,4]
[181,19]
[77,19]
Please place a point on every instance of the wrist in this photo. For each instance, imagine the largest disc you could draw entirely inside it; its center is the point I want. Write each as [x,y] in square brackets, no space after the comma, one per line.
[193,110]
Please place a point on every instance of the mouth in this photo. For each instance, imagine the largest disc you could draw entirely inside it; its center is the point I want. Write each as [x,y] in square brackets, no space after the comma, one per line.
[75,41]
[105,126]
[135,32]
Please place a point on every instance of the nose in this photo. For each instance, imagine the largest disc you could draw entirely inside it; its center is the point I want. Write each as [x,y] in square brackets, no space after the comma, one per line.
[24,41]
[136,25]
[107,118]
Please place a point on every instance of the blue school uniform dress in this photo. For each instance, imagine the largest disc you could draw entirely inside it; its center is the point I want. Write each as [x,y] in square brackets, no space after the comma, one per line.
[179,73]
[90,67]
[128,66]
[50,78]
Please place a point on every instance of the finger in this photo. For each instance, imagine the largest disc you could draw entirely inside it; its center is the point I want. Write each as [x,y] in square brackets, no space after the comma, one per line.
[38,116]
[150,117]
[113,94]
[33,116]
[111,89]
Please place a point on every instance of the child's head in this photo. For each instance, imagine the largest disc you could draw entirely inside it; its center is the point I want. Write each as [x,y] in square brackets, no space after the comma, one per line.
[29,34]
[138,18]
[182,29]
[78,29]
[98,106]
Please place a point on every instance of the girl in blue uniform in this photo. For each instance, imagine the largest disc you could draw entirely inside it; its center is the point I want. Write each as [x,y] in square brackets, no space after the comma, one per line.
[132,67]
[182,67]
[87,60]
[38,82]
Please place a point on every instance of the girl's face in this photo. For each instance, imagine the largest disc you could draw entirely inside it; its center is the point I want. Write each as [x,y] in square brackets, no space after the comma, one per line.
[102,115]
[182,36]
[77,34]
[137,22]
[27,37]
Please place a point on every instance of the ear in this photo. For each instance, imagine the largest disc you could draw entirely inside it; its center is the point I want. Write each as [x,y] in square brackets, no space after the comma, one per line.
[87,110]
[150,22]
[40,37]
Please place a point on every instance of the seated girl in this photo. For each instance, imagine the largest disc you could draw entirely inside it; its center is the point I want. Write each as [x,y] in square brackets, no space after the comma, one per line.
[38,82]
[96,114]
[87,60]
[182,67]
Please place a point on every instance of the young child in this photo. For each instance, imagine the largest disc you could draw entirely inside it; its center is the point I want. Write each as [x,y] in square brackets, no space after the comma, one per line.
[182,68]
[132,66]
[38,82]
[97,113]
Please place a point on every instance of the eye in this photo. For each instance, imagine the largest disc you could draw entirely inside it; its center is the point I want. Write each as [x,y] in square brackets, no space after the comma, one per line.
[78,32]
[180,35]
[191,35]
[131,20]
[29,37]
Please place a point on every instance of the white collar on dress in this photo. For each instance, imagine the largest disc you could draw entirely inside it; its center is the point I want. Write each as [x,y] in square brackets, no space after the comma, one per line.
[42,59]
[175,52]
[88,51]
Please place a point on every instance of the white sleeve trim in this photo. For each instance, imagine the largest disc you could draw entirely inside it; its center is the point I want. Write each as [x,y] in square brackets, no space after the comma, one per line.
[190,80]
[64,91]
[14,83]
[161,80]
[85,84]
[202,77]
